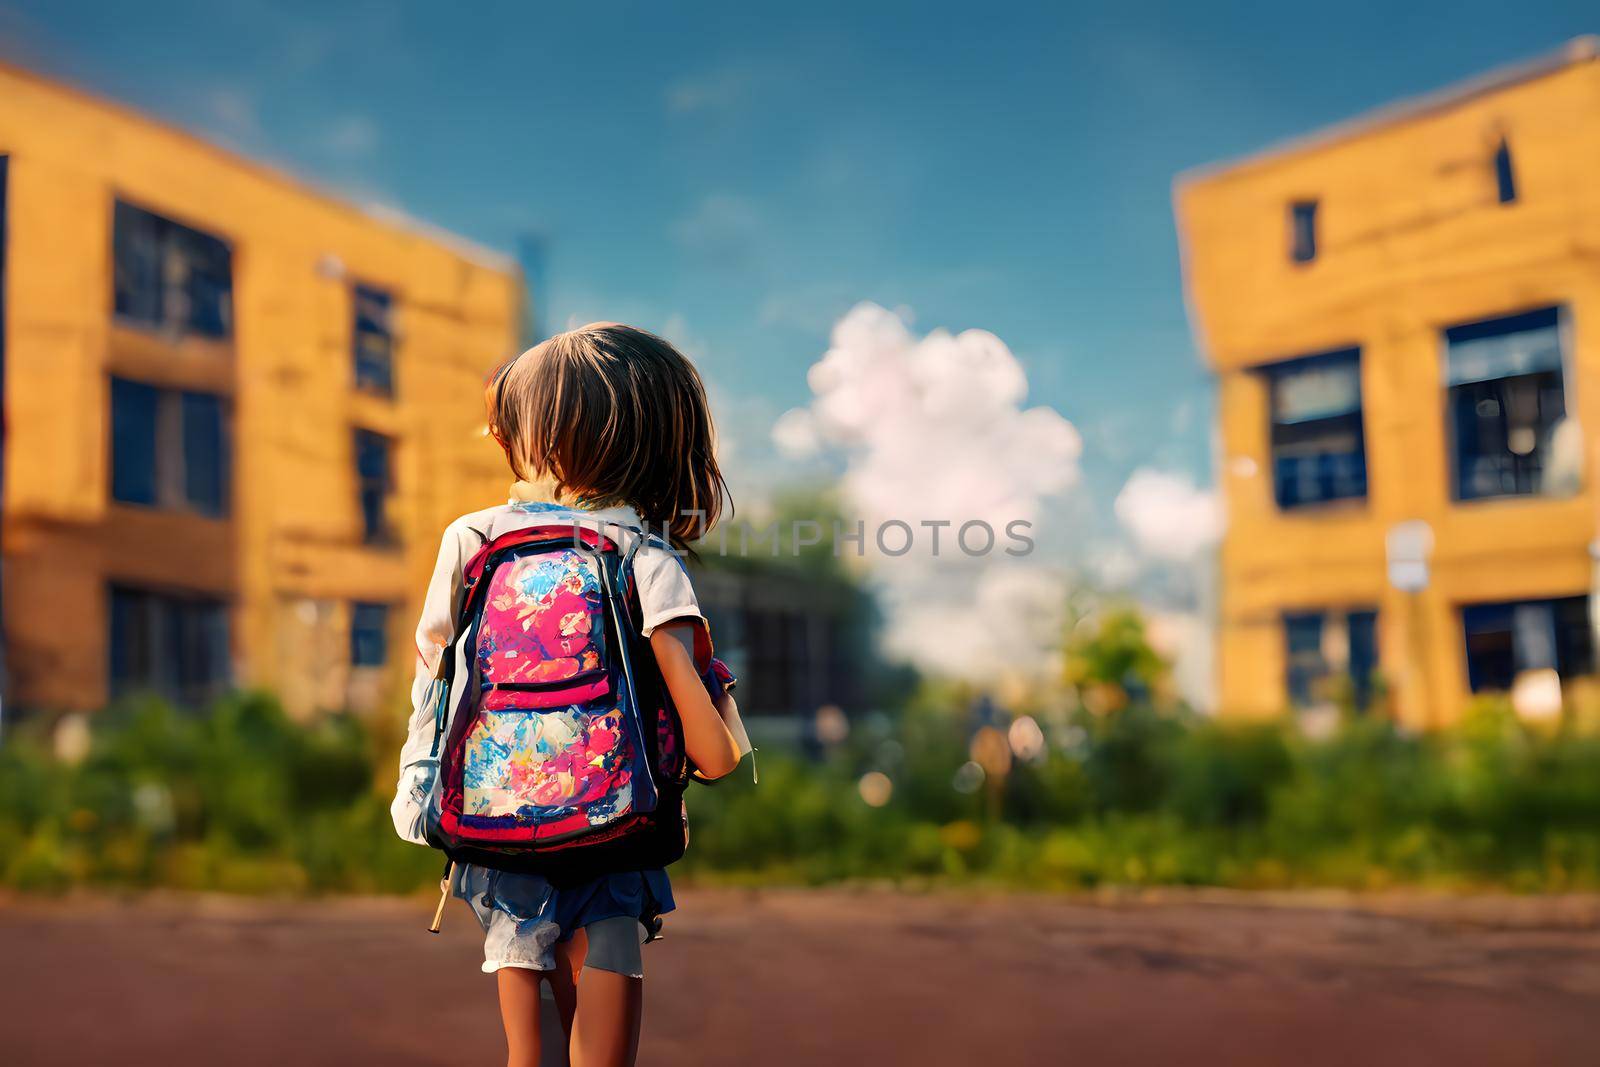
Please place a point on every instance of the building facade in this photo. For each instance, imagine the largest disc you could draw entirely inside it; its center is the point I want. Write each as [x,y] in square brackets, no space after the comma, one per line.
[238,415]
[1403,315]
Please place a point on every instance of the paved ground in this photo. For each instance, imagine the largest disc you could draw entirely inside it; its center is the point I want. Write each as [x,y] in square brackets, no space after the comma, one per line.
[830,977]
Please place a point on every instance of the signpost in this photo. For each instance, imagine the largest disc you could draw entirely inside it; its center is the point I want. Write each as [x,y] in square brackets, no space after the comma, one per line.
[1408,546]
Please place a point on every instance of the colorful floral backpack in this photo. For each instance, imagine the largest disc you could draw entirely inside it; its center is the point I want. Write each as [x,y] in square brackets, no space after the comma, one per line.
[559,751]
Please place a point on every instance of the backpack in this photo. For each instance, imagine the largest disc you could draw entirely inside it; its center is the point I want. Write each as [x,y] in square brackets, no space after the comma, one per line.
[563,756]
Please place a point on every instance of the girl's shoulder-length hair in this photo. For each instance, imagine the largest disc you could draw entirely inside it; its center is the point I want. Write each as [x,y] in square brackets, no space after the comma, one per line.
[613,414]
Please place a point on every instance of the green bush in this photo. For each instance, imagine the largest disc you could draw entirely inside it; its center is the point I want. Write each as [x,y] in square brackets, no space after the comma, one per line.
[242,799]
[239,798]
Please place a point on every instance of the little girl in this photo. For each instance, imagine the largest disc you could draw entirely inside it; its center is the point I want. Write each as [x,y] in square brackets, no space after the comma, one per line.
[608,426]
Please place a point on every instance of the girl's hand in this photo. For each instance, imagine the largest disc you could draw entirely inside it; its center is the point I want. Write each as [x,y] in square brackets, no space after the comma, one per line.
[705,736]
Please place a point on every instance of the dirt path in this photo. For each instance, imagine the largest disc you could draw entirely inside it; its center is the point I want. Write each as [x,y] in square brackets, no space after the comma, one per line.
[830,977]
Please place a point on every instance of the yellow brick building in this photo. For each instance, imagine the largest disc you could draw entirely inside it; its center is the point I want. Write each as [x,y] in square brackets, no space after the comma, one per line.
[1403,315]
[238,413]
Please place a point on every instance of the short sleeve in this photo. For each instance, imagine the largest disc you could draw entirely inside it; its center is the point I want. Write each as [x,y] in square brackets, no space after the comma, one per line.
[665,591]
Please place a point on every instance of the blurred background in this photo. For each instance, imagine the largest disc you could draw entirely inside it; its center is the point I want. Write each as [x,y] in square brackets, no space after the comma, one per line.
[1165,559]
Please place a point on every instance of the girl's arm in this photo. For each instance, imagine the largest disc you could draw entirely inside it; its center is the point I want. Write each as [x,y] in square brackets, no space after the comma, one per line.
[435,630]
[705,736]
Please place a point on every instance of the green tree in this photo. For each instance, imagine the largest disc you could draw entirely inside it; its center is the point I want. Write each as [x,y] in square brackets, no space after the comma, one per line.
[1109,649]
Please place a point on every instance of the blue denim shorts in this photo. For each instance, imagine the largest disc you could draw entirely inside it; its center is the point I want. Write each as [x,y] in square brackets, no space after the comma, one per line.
[614,944]
[524,917]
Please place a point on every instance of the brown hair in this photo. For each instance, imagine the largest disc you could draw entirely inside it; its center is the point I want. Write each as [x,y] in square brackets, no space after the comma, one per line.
[613,415]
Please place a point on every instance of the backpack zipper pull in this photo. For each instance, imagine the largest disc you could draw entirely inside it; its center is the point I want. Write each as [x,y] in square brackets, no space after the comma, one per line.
[444,895]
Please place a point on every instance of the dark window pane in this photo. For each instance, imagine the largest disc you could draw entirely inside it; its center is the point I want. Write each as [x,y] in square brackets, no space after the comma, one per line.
[375,481]
[771,641]
[1318,441]
[205,453]
[372,456]
[1491,656]
[1363,628]
[170,276]
[1507,397]
[208,269]
[1574,636]
[1505,177]
[1309,667]
[172,645]
[1504,639]
[133,442]
[373,339]
[1302,633]
[169,449]
[1503,434]
[369,635]
[133,638]
[136,243]
[200,647]
[1303,231]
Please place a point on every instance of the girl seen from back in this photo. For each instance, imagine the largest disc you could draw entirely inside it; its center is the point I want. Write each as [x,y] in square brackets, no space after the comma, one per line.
[605,427]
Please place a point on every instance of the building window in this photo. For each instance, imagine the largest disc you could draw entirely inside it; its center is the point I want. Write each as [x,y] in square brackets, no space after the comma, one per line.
[169,448]
[133,441]
[373,339]
[1303,231]
[169,276]
[1503,640]
[375,484]
[1318,445]
[173,645]
[1507,401]
[1330,657]
[369,635]
[1361,665]
[1505,177]
[205,452]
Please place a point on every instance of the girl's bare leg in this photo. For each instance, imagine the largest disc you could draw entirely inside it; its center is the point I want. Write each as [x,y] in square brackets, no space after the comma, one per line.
[519,1012]
[564,990]
[610,1006]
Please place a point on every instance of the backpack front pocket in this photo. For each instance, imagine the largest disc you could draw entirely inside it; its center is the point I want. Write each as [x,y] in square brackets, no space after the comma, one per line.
[581,688]
[552,770]
[543,621]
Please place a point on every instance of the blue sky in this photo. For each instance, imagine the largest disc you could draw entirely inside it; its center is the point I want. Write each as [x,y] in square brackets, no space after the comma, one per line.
[738,175]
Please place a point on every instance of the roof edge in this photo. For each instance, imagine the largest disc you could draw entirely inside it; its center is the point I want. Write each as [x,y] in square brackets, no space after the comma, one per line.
[1578,50]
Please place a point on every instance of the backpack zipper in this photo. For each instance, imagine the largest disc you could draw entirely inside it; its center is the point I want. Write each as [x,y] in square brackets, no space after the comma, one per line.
[590,675]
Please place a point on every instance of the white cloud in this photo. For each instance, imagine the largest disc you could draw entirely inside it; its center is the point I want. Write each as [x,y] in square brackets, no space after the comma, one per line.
[1172,524]
[932,428]
[1168,517]
[795,434]
[1187,641]
[351,136]
[1114,566]
[995,624]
